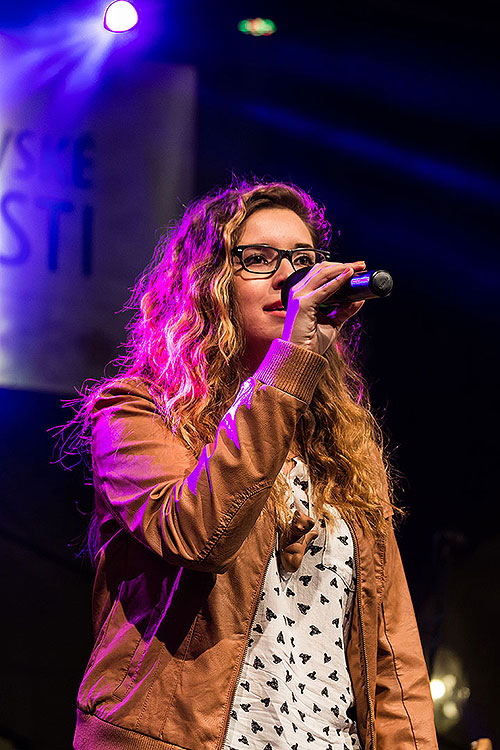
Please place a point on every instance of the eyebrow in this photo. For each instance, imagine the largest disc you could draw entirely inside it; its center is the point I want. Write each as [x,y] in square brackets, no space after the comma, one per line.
[297,246]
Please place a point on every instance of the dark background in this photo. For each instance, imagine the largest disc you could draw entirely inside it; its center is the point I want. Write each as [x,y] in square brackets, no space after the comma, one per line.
[388,112]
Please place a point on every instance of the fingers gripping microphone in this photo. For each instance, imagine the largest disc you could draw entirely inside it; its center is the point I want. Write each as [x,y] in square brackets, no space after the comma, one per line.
[364,285]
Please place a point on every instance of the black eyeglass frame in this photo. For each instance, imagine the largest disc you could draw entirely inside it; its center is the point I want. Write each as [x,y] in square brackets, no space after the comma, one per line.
[238,252]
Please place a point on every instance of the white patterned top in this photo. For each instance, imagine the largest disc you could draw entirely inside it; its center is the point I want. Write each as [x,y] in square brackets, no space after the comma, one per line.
[295,690]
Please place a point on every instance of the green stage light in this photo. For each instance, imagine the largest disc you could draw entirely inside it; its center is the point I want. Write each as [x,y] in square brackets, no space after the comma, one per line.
[257,26]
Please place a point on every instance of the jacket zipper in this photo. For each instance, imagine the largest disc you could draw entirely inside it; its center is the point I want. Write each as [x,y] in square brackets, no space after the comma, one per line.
[226,718]
[362,630]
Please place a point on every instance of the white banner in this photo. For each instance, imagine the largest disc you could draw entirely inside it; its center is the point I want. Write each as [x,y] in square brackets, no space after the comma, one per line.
[84,184]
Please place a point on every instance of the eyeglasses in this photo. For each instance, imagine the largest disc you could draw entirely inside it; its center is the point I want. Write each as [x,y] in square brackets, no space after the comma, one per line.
[264,259]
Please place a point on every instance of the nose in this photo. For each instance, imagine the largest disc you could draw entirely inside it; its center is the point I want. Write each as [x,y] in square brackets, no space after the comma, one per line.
[283,272]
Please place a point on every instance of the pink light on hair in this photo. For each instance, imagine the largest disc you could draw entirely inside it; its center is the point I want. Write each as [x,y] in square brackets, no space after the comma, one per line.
[186,342]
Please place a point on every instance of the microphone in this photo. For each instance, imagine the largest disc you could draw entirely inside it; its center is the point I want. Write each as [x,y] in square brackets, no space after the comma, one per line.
[364,285]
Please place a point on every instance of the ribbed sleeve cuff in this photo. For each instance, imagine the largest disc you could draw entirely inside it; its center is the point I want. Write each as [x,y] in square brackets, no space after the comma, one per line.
[292,369]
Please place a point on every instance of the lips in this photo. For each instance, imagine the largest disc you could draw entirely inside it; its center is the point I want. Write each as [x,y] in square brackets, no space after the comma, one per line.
[275,306]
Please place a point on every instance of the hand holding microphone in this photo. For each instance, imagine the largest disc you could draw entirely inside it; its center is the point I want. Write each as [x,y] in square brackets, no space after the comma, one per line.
[362,285]
[335,290]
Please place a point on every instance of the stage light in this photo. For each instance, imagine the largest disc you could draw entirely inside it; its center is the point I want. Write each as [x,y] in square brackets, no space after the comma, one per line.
[449,689]
[120,16]
[450,710]
[438,689]
[257,26]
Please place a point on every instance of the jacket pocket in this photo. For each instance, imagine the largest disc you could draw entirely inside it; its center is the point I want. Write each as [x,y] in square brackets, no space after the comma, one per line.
[143,644]
[101,637]
[143,629]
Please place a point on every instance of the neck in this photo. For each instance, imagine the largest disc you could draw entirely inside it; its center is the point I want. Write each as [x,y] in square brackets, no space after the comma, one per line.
[252,359]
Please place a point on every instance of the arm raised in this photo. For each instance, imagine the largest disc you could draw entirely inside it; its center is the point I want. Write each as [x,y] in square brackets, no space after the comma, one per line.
[197,511]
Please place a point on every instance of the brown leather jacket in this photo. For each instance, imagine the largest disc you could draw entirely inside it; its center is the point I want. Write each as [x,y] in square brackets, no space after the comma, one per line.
[184,548]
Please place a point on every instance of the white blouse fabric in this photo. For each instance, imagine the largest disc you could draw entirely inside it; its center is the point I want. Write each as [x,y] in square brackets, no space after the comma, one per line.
[294,690]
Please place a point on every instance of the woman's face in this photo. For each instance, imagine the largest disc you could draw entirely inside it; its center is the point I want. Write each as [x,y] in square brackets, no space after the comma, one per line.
[259,296]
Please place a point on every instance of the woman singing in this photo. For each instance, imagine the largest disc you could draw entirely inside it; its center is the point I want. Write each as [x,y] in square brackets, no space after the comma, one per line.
[249,591]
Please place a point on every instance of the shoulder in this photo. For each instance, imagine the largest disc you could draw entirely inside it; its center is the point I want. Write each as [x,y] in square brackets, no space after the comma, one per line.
[128,420]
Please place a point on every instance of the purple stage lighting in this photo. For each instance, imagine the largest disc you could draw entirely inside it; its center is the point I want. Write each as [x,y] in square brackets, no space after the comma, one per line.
[120,16]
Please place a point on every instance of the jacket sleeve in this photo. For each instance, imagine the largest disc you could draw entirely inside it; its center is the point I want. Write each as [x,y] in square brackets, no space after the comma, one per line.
[197,513]
[404,716]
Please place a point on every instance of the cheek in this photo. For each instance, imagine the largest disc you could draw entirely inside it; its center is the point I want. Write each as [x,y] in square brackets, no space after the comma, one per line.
[249,294]
[249,299]
[249,313]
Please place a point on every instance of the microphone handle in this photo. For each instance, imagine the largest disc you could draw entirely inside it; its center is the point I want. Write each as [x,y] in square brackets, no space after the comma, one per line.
[363,285]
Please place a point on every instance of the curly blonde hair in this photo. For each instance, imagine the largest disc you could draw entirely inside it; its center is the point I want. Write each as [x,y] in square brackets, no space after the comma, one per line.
[186,342]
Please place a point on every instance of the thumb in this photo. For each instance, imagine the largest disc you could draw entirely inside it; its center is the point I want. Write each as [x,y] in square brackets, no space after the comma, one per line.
[294,541]
[299,525]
